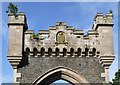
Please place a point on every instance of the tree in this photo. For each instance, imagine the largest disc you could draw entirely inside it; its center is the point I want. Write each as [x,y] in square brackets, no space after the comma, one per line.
[12,8]
[111,11]
[116,80]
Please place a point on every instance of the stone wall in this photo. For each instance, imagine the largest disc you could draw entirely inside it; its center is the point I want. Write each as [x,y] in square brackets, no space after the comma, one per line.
[87,67]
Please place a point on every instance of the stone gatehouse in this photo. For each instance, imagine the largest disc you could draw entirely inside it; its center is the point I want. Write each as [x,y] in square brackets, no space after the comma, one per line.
[62,52]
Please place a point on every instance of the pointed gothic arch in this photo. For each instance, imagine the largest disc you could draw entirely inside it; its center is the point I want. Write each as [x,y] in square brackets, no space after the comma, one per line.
[59,73]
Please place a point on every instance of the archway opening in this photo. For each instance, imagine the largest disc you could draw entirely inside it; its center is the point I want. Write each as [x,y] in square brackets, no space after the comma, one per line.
[59,73]
[61,82]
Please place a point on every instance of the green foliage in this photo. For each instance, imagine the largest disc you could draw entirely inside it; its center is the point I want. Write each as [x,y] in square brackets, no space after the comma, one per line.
[12,8]
[35,36]
[116,80]
[111,11]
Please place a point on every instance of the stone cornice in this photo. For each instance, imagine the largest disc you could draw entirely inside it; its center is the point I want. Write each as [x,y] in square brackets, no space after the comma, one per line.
[14,60]
[106,60]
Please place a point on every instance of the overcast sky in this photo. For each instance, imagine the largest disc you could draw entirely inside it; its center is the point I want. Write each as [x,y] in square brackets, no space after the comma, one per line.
[42,15]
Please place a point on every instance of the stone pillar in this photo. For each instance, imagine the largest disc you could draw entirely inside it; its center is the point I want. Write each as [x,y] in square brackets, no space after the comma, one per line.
[16,75]
[105,75]
[106,61]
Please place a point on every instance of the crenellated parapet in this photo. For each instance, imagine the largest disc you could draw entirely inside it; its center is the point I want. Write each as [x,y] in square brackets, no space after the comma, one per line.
[62,36]
[19,19]
[102,20]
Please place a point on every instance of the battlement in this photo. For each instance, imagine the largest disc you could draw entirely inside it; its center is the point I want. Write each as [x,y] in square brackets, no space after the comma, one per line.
[18,19]
[100,19]
[49,38]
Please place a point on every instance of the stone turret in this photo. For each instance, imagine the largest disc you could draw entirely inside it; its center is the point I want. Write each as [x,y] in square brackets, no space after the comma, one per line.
[104,25]
[16,27]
